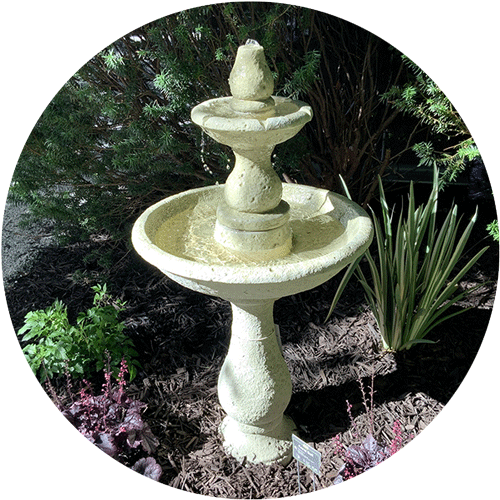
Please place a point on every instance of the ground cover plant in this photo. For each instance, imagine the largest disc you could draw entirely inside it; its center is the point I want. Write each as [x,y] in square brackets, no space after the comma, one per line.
[111,420]
[54,346]
[415,280]
[360,457]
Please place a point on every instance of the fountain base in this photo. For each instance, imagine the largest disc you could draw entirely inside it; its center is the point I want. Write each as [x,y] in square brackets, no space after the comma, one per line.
[265,447]
[255,388]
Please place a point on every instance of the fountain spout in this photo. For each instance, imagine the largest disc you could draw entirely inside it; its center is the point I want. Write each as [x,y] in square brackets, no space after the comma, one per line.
[250,78]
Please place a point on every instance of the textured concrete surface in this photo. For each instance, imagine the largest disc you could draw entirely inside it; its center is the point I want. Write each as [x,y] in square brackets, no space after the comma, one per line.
[254,383]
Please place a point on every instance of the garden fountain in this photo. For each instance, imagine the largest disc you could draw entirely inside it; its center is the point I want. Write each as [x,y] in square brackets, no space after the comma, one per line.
[252,241]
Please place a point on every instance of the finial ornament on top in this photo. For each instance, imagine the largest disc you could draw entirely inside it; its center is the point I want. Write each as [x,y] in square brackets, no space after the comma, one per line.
[251,79]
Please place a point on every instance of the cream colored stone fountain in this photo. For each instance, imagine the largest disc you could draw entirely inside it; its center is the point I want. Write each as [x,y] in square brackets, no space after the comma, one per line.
[252,241]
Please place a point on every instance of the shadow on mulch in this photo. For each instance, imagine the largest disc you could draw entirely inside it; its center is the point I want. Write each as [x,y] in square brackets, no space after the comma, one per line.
[436,370]
[182,338]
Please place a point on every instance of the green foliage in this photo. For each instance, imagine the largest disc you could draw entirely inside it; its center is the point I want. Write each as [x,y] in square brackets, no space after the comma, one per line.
[414,282]
[55,346]
[112,60]
[424,100]
[303,77]
[492,228]
[117,137]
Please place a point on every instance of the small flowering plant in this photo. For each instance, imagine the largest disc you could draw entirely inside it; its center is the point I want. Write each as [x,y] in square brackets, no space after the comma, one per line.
[358,458]
[113,422]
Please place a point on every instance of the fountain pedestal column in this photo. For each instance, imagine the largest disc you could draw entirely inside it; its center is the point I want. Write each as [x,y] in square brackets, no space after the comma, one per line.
[253,185]
[255,388]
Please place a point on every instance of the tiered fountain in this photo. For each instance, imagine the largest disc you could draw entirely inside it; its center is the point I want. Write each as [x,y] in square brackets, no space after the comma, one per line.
[252,241]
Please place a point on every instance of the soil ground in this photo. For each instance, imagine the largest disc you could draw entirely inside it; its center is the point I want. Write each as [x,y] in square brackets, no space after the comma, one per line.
[182,338]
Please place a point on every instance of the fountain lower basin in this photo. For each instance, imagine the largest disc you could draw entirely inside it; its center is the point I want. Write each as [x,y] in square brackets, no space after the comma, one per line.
[176,236]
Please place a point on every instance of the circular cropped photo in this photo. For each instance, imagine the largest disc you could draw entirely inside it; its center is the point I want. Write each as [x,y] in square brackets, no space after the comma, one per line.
[249,250]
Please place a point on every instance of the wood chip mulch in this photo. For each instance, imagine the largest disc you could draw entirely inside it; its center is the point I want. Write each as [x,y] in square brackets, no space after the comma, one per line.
[183,336]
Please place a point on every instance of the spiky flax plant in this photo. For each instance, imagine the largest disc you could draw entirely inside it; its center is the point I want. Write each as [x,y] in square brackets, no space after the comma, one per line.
[414,277]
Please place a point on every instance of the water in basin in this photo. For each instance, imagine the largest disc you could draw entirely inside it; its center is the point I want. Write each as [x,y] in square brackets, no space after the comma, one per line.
[222,108]
[189,235]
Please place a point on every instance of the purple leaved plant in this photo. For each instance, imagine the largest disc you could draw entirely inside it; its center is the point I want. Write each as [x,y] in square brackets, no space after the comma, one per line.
[113,422]
[358,458]
[148,467]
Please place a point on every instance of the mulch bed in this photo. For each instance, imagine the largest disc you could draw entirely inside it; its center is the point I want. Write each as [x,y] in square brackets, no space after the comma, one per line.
[183,336]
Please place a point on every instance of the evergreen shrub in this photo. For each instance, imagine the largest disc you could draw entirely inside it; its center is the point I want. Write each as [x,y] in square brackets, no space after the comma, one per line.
[117,137]
[452,146]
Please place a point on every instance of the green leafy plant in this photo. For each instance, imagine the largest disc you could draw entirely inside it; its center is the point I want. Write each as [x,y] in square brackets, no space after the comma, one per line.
[414,282]
[55,346]
[424,100]
[492,228]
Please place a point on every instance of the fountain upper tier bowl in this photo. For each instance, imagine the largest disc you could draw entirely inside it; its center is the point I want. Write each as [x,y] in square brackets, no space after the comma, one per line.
[283,119]
[176,236]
